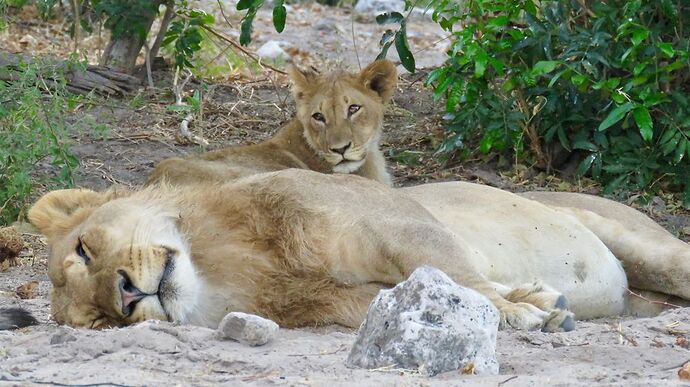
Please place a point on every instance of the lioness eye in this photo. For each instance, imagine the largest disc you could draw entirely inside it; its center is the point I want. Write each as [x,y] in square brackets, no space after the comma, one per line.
[318,117]
[82,253]
[353,109]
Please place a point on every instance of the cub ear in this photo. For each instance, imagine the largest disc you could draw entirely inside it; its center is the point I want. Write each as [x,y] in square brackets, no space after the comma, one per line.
[55,213]
[380,76]
[302,81]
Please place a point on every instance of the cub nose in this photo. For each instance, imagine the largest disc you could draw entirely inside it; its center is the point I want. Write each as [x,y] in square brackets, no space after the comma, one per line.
[129,294]
[342,150]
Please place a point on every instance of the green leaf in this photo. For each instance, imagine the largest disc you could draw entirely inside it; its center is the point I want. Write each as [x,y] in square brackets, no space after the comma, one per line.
[279,16]
[578,79]
[544,67]
[244,4]
[610,187]
[385,43]
[498,21]
[486,144]
[403,49]
[246,30]
[680,151]
[480,61]
[585,165]
[639,35]
[671,144]
[556,77]
[390,17]
[586,145]
[644,121]
[627,53]
[616,115]
[667,49]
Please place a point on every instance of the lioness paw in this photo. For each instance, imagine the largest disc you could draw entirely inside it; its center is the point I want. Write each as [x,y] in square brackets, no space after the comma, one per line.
[559,321]
[522,316]
[540,295]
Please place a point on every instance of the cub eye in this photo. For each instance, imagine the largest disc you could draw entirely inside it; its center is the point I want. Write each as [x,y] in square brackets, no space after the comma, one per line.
[82,253]
[319,117]
[353,109]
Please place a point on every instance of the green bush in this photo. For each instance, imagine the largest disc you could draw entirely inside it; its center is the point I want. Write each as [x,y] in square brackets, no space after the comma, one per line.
[609,78]
[31,130]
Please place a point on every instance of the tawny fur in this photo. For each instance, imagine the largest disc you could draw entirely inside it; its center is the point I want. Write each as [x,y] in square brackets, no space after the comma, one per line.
[305,248]
[306,142]
[11,244]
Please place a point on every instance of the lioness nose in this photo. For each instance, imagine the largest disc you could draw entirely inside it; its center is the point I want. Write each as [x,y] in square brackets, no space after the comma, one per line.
[129,293]
[341,150]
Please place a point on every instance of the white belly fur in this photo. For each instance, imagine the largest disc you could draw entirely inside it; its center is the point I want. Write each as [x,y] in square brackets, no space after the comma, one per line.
[517,241]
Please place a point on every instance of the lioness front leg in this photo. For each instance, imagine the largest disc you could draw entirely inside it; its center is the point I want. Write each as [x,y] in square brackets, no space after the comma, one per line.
[409,245]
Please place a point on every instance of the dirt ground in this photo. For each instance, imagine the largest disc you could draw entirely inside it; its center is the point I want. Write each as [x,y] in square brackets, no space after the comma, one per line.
[244,109]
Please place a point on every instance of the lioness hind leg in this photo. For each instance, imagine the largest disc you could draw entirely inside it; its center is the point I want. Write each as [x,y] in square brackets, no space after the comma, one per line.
[552,305]
[540,295]
[406,245]
[653,258]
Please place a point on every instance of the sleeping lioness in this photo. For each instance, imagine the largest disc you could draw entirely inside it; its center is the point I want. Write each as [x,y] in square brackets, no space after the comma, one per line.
[305,248]
[337,129]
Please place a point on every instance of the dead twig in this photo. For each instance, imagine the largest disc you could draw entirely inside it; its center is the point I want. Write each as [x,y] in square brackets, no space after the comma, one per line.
[222,12]
[652,301]
[239,47]
[178,89]
[52,383]
[622,335]
[507,380]
[167,17]
[354,41]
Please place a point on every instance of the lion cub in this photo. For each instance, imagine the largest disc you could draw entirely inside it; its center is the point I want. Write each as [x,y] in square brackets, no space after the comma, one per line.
[336,130]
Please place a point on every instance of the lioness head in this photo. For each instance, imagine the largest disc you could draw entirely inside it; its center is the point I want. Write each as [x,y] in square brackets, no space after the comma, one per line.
[115,259]
[342,113]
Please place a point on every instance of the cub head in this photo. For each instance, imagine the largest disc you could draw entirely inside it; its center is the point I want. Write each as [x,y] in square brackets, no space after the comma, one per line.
[115,258]
[342,113]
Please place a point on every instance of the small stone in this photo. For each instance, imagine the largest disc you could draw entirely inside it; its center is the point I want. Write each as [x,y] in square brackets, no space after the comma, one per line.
[272,50]
[430,324]
[248,329]
[63,335]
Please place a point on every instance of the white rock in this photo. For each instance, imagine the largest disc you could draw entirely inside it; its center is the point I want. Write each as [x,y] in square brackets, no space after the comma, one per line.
[375,7]
[272,50]
[247,328]
[431,324]
[367,10]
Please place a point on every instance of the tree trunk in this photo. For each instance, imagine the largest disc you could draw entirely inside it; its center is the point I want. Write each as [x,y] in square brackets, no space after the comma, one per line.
[121,52]
[99,79]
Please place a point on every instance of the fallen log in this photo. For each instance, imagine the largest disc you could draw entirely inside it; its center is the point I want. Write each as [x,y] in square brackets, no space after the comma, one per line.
[79,79]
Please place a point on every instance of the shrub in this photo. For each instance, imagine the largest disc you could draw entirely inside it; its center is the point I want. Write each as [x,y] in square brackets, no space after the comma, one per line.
[608,78]
[31,130]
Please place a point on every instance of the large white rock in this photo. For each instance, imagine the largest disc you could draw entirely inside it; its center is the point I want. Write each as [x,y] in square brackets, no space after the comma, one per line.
[247,328]
[272,50]
[431,324]
[376,7]
[367,10]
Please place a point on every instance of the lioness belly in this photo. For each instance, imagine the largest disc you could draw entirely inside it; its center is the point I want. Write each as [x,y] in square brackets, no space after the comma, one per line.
[516,241]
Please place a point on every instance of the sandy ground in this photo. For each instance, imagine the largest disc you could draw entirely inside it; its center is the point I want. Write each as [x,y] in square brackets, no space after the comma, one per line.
[606,352]
[620,351]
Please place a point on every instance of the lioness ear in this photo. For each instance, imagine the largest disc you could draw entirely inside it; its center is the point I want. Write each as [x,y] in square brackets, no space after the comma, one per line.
[301,81]
[54,213]
[380,76]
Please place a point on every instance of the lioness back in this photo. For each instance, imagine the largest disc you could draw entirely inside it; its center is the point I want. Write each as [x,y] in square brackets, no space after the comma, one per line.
[337,129]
